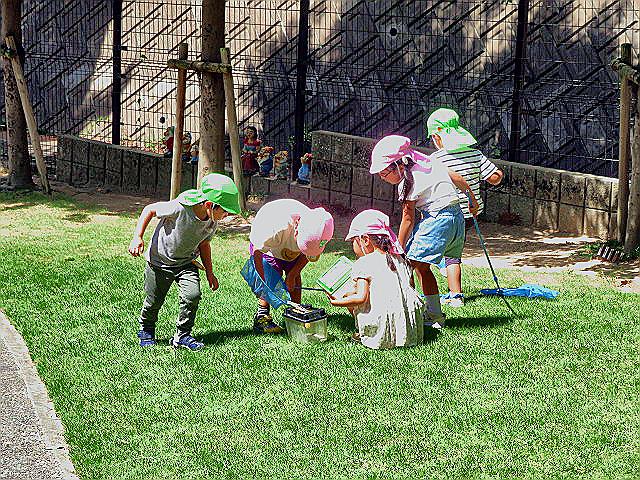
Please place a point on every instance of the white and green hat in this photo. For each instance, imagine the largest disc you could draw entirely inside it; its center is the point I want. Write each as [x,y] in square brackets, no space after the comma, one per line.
[445,123]
[215,188]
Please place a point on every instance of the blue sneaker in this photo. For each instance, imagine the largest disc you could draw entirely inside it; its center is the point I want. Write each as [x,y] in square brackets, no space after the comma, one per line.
[147,338]
[187,342]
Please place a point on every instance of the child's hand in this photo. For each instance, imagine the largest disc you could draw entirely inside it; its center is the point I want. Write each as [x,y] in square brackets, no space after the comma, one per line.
[136,247]
[473,209]
[213,282]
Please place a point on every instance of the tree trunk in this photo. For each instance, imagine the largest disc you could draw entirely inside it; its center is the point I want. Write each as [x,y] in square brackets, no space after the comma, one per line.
[17,147]
[632,239]
[212,91]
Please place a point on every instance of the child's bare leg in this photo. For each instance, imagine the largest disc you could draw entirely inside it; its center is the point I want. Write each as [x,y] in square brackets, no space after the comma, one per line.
[296,291]
[454,278]
[430,289]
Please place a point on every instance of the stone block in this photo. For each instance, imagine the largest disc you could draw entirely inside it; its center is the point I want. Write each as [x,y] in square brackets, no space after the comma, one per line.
[596,223]
[130,170]
[63,171]
[260,186]
[342,149]
[613,227]
[523,207]
[320,174]
[361,182]
[571,218]
[113,180]
[79,174]
[163,182]
[340,202]
[383,190]
[321,146]
[522,181]
[614,197]
[80,151]
[598,193]
[497,203]
[318,197]
[299,192]
[572,187]
[96,176]
[340,178]
[189,173]
[148,173]
[548,185]
[65,149]
[279,189]
[97,155]
[359,203]
[362,148]
[113,158]
[545,215]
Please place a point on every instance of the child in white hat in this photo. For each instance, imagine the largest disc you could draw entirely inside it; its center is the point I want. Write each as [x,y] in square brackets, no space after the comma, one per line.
[427,186]
[387,309]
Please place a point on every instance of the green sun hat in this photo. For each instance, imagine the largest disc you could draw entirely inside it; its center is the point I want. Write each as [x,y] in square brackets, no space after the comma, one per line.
[215,188]
[445,123]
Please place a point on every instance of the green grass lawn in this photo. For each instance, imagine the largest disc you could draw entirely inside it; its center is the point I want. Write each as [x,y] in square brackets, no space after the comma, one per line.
[552,393]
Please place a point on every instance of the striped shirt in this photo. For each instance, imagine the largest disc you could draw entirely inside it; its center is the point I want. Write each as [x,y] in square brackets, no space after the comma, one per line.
[473,166]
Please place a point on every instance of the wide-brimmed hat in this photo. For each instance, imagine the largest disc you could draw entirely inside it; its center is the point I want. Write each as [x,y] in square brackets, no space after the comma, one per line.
[389,150]
[445,123]
[374,222]
[215,188]
[315,229]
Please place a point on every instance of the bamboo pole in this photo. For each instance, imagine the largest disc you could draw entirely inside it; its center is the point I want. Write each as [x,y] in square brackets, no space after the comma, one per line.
[232,123]
[32,124]
[632,239]
[199,66]
[624,147]
[178,132]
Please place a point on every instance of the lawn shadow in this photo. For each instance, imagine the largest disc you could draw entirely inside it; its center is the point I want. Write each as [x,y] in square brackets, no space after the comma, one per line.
[346,323]
[482,322]
[215,338]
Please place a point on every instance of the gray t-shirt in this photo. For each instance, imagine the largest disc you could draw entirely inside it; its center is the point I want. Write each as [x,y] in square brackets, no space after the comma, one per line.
[177,236]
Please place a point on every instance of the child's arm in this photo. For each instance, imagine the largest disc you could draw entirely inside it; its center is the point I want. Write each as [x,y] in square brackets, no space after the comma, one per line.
[495,178]
[136,247]
[358,297]
[205,255]
[462,185]
[408,219]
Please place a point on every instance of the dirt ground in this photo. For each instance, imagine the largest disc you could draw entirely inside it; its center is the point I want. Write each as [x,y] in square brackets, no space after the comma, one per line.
[510,247]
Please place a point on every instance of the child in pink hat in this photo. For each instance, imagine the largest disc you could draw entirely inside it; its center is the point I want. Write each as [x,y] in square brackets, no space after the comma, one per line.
[424,185]
[387,309]
[287,235]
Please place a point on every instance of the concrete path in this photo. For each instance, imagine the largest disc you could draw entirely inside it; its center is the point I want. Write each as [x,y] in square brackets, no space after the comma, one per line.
[32,444]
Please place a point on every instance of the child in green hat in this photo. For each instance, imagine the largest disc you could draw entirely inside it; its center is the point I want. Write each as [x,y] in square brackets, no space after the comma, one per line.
[455,151]
[184,231]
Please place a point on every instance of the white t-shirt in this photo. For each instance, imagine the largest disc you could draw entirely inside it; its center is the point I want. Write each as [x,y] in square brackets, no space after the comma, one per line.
[432,191]
[393,315]
[273,228]
[473,166]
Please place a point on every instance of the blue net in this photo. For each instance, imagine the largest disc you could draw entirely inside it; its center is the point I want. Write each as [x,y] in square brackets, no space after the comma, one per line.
[272,288]
[527,290]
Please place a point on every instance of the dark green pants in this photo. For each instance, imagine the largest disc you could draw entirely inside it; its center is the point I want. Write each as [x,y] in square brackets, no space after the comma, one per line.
[157,282]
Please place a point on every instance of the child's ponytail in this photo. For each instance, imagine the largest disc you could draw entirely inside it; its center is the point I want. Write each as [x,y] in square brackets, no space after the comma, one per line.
[384,243]
[408,163]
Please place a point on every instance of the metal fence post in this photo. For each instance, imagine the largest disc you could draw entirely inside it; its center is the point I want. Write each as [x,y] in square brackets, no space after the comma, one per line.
[301,86]
[516,105]
[116,87]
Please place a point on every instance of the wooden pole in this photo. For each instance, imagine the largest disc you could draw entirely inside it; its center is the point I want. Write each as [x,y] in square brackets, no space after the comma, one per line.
[232,126]
[624,147]
[632,239]
[32,124]
[178,132]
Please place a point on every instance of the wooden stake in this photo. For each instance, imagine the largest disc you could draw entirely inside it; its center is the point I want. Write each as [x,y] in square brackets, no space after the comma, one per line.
[624,147]
[178,132]
[232,126]
[32,124]
[632,239]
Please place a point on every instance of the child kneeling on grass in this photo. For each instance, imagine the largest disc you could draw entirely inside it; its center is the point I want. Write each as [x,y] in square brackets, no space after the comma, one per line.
[426,185]
[186,226]
[287,235]
[387,309]
[455,152]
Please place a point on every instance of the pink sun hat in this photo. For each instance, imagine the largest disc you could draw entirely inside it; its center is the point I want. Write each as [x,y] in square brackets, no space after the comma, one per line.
[392,148]
[374,222]
[315,229]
